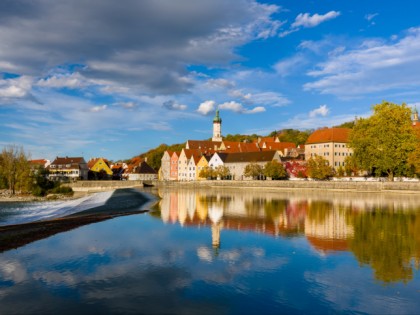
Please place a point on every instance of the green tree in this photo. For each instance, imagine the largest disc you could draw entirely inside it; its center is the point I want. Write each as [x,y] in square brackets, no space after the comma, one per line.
[222,171]
[15,169]
[319,168]
[383,142]
[253,170]
[275,170]
[414,157]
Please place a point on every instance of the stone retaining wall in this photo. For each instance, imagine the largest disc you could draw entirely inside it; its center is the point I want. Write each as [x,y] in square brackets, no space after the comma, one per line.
[412,187]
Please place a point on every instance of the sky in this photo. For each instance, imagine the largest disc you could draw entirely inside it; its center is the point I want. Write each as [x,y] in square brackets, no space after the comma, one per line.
[113,79]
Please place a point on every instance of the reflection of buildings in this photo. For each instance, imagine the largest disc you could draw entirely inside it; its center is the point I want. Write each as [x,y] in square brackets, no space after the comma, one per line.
[322,219]
[330,232]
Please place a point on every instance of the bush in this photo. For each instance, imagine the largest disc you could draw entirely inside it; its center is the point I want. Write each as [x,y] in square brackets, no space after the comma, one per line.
[62,190]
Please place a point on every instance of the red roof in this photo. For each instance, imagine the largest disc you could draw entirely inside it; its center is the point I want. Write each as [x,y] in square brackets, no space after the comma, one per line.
[278,146]
[329,135]
[38,162]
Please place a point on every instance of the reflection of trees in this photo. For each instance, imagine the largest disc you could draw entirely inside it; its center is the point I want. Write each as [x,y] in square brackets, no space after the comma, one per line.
[275,208]
[319,211]
[385,241]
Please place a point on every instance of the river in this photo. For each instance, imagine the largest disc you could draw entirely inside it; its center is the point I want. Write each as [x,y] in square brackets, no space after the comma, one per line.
[222,251]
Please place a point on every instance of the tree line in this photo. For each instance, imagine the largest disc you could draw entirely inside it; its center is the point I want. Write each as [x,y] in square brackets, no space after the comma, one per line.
[17,174]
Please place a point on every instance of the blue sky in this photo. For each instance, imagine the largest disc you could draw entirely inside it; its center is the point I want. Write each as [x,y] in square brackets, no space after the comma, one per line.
[114,79]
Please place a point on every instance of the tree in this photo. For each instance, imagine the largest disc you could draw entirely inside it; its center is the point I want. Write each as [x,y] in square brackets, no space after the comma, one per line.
[207,172]
[253,170]
[319,168]
[383,142]
[222,171]
[15,169]
[350,166]
[297,169]
[414,156]
[275,170]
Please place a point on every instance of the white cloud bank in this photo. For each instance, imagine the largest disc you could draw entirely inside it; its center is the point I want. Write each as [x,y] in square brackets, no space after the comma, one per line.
[373,66]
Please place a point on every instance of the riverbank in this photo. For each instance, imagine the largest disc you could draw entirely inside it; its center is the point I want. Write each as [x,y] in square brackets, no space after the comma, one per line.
[7,196]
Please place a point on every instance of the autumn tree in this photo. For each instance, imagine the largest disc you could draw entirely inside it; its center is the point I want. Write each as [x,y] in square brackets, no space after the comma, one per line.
[319,168]
[207,172]
[414,156]
[275,170]
[383,142]
[222,171]
[253,170]
[15,169]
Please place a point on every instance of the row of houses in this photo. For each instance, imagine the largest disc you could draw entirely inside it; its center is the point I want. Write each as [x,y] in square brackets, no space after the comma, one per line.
[186,165]
[75,168]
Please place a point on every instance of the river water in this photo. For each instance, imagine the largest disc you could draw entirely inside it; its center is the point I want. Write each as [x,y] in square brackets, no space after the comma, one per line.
[232,251]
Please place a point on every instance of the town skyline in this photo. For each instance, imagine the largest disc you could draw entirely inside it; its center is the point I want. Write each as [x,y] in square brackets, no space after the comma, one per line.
[99,79]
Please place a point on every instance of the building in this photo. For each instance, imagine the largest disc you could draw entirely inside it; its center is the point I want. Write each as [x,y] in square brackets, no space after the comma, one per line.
[236,162]
[165,168]
[142,171]
[331,144]
[174,166]
[99,168]
[68,168]
[217,127]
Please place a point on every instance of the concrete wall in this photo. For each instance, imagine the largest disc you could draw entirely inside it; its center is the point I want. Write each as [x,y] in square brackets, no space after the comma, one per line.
[311,185]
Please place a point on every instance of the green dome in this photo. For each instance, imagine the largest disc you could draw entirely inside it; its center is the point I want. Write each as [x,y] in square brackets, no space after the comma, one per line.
[216,118]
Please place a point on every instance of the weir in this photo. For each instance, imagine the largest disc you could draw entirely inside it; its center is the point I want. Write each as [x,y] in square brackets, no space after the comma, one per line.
[104,185]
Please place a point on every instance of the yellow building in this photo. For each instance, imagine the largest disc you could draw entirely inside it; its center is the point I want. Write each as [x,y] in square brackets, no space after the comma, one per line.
[202,163]
[99,168]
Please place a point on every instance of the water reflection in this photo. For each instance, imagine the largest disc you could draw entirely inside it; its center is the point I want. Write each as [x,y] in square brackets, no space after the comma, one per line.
[381,230]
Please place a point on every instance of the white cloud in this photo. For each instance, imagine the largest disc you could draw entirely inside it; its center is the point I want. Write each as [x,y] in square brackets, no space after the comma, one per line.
[239,108]
[322,110]
[220,83]
[270,98]
[371,16]
[206,107]
[16,88]
[307,20]
[72,81]
[290,65]
[373,66]
[258,109]
[98,108]
[233,106]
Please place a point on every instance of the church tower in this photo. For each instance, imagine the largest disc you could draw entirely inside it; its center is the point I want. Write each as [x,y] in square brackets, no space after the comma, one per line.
[217,127]
[415,116]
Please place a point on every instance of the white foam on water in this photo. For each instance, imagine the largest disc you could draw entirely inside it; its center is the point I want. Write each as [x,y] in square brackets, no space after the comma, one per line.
[30,212]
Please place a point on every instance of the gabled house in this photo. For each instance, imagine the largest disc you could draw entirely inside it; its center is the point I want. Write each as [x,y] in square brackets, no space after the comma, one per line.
[201,164]
[183,160]
[174,166]
[142,171]
[165,169]
[118,171]
[68,168]
[99,168]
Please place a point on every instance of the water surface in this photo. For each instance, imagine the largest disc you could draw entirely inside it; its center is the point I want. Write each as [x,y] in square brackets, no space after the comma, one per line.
[228,252]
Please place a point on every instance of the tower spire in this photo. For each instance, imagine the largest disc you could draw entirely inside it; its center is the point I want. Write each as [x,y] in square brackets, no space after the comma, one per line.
[217,127]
